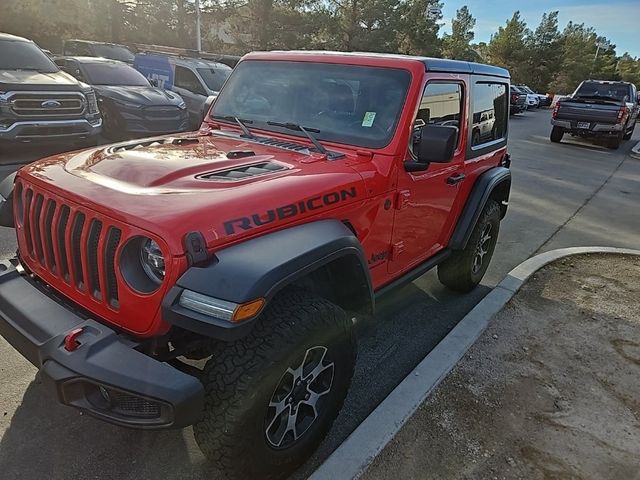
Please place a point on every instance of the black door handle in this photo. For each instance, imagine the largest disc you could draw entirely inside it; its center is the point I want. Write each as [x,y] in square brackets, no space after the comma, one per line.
[454,179]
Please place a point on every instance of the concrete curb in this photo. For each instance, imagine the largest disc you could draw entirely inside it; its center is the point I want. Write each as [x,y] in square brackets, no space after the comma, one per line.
[351,459]
[635,151]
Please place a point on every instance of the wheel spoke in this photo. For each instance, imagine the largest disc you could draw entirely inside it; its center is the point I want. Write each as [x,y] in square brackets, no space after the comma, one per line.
[276,417]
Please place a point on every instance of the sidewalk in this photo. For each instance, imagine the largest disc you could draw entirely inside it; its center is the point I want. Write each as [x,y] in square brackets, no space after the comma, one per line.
[550,390]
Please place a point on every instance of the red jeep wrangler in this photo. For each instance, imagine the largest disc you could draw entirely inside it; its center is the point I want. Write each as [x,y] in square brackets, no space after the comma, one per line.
[317,182]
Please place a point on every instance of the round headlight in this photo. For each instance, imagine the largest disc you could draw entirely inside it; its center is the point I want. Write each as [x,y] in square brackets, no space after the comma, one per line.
[152,260]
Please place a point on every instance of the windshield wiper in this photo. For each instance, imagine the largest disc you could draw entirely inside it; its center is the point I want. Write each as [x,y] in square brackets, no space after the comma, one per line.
[306,130]
[241,123]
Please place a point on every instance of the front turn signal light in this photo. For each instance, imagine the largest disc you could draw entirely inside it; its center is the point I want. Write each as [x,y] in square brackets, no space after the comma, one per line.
[248,310]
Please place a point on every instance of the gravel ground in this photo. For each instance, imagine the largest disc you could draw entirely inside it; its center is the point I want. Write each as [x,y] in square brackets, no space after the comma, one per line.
[550,391]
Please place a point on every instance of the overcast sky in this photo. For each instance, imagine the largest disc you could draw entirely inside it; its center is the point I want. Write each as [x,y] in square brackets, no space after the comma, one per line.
[618,20]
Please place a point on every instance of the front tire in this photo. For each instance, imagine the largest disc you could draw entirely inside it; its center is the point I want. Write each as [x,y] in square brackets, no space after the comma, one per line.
[464,269]
[556,134]
[271,397]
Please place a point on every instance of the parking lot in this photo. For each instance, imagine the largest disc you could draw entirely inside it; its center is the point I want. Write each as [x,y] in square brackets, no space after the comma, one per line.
[569,194]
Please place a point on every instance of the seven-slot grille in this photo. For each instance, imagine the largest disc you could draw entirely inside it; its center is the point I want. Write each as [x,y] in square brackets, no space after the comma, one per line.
[42,105]
[69,244]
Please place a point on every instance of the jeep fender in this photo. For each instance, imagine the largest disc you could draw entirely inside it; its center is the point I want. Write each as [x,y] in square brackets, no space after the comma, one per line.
[495,184]
[324,256]
[6,201]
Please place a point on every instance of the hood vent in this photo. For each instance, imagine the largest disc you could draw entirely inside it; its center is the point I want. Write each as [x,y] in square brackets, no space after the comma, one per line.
[154,142]
[243,172]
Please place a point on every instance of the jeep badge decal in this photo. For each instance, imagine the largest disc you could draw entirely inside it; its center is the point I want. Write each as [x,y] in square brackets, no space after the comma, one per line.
[288,211]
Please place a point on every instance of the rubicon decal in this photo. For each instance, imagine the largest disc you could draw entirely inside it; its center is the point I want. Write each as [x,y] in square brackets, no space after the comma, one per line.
[288,211]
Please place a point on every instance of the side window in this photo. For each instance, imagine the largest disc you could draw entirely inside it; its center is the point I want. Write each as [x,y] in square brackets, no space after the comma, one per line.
[441,104]
[490,113]
[79,49]
[186,79]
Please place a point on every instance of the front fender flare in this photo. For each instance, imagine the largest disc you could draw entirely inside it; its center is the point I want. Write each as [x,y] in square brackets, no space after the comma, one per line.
[260,268]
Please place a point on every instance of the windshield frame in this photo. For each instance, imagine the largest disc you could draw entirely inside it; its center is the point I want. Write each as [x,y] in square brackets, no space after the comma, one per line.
[46,60]
[87,73]
[334,137]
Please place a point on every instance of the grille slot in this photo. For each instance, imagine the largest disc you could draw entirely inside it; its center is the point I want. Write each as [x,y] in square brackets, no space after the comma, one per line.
[76,247]
[92,258]
[48,237]
[243,172]
[35,221]
[111,286]
[60,239]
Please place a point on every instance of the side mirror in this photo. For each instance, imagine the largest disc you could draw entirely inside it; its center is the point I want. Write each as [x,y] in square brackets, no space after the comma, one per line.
[436,144]
[153,82]
[208,102]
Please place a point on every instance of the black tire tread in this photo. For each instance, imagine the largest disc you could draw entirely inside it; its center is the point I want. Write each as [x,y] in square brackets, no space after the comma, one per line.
[228,374]
[454,272]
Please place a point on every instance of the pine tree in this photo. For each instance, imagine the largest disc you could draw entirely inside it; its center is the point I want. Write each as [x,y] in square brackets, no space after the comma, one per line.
[457,44]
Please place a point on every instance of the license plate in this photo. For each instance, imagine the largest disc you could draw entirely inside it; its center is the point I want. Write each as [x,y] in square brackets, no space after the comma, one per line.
[584,124]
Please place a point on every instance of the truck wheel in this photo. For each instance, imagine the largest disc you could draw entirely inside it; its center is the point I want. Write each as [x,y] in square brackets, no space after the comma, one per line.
[464,269]
[271,397]
[614,142]
[556,134]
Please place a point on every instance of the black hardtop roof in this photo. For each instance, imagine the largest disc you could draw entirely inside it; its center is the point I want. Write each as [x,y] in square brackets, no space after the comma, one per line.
[431,64]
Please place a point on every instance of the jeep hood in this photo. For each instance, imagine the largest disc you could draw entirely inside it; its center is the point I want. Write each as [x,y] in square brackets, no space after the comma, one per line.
[174,185]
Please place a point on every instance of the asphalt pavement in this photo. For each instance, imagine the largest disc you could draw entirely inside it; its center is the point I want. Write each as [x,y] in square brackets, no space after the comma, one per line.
[574,193]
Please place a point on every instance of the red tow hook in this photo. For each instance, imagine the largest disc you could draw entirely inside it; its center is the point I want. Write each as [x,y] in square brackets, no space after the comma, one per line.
[71,340]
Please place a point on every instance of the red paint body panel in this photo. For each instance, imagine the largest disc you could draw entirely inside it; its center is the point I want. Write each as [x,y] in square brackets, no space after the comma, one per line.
[154,191]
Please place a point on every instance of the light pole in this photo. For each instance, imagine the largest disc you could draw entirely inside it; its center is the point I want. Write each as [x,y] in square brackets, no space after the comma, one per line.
[198,39]
[599,45]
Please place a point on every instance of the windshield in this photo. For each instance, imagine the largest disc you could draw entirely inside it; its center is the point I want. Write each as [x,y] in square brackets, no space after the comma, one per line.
[21,55]
[113,74]
[114,52]
[343,103]
[214,77]
[614,91]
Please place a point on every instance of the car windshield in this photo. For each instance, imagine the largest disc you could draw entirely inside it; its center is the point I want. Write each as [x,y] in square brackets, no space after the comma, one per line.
[616,91]
[348,104]
[115,52]
[214,77]
[21,55]
[113,74]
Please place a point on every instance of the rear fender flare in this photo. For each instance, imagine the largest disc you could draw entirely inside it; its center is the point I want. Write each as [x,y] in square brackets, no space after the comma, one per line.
[494,183]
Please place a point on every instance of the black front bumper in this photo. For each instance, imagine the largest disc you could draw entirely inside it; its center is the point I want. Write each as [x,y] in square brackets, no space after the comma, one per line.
[105,375]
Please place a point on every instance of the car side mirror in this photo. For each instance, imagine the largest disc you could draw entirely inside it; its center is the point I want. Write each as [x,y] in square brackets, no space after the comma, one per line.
[153,82]
[436,144]
[207,104]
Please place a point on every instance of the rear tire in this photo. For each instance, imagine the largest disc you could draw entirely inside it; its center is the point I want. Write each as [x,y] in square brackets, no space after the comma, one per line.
[556,134]
[614,142]
[464,269]
[248,384]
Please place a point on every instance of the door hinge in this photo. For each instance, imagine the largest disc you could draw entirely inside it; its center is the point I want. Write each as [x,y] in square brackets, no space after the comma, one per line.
[396,250]
[402,199]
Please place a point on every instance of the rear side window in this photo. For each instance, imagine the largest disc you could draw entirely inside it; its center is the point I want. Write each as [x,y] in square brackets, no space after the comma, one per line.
[77,49]
[490,113]
[441,104]
[186,79]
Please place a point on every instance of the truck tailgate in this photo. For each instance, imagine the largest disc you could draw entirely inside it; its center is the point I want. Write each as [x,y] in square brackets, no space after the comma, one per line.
[588,112]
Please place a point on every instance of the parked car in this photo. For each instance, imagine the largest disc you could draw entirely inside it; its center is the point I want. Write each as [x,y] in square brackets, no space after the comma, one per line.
[543,100]
[38,102]
[518,101]
[254,245]
[193,79]
[604,109]
[130,105]
[533,100]
[88,48]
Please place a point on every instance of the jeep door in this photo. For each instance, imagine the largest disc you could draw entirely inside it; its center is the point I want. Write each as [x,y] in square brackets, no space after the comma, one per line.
[190,88]
[425,199]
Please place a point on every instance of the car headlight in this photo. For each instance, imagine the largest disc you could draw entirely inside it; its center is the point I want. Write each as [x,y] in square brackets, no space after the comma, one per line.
[182,105]
[152,260]
[92,102]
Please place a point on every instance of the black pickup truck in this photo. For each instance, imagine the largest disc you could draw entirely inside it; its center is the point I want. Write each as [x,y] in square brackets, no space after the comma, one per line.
[598,109]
